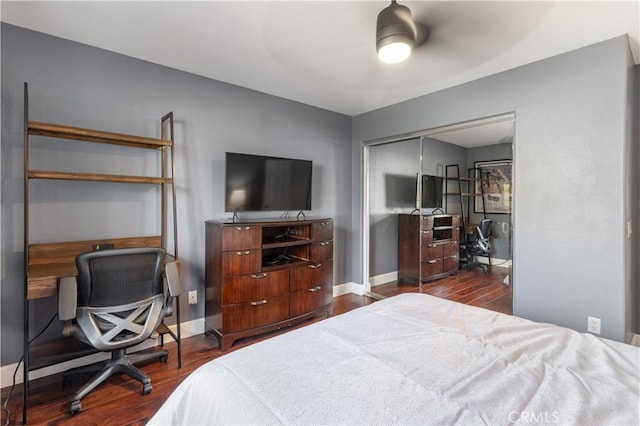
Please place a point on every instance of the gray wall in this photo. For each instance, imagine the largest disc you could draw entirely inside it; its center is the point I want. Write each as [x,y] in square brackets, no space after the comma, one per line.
[75,84]
[571,135]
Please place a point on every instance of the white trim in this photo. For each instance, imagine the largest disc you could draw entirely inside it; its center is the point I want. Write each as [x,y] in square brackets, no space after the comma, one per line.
[383,278]
[188,329]
[348,288]
[635,341]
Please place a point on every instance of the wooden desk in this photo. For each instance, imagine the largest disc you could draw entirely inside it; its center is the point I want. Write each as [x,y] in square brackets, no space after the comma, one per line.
[48,262]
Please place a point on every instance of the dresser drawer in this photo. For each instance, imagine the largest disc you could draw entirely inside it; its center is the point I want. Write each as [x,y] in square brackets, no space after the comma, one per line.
[322,231]
[308,276]
[241,262]
[322,250]
[431,267]
[426,236]
[451,263]
[310,299]
[450,248]
[241,237]
[251,287]
[255,314]
[432,251]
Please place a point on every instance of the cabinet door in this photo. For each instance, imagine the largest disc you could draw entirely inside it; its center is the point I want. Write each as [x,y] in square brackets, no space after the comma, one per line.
[322,231]
[255,313]
[251,287]
[241,262]
[241,237]
[308,276]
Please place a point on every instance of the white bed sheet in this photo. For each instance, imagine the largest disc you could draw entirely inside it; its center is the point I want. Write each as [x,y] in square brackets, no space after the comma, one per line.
[416,359]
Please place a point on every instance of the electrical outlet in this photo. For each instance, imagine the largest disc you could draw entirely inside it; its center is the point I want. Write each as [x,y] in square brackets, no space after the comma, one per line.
[593,325]
[193,297]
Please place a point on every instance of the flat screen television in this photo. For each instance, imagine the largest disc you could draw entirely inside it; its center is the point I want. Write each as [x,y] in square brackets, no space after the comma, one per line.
[431,194]
[260,183]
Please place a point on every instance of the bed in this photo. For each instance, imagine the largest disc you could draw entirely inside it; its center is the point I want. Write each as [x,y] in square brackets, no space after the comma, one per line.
[416,359]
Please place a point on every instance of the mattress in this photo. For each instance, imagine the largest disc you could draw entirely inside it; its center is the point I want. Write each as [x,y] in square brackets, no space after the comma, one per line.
[416,359]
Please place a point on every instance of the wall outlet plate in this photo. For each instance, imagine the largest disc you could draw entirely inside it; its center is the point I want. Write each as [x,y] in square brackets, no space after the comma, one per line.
[593,325]
[193,297]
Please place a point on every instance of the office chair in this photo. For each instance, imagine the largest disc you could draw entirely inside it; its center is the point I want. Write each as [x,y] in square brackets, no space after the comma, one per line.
[479,244]
[116,302]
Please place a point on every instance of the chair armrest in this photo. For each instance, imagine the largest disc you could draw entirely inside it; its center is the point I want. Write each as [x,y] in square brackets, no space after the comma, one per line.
[67,298]
[173,279]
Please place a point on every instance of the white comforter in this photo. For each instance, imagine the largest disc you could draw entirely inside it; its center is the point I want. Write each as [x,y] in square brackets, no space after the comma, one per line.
[416,359]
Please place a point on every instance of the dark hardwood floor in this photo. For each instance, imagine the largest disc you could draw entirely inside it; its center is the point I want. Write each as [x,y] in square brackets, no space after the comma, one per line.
[119,402]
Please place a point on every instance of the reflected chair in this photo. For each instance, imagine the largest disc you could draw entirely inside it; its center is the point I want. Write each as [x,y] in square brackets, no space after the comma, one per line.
[476,245]
[116,302]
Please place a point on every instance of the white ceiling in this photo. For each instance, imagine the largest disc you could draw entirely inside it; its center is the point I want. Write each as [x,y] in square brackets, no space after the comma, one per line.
[322,53]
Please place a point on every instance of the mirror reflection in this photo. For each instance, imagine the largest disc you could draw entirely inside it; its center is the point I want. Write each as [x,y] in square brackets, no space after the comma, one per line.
[439,210]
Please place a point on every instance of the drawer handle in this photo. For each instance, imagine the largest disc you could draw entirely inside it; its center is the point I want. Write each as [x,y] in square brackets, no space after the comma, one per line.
[242,228]
[454,242]
[316,266]
[426,232]
[325,243]
[455,256]
[432,261]
[243,253]
[432,245]
[256,276]
[259,302]
[316,288]
[324,223]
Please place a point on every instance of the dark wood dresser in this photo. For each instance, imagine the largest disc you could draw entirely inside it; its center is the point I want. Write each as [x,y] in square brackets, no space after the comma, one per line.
[437,236]
[264,275]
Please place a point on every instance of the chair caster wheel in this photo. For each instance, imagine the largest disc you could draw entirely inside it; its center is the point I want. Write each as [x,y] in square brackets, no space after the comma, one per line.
[164,358]
[75,407]
[147,388]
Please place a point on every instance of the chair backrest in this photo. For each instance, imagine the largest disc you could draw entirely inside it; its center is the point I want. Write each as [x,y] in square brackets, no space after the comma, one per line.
[485,228]
[120,296]
[119,276]
[483,236]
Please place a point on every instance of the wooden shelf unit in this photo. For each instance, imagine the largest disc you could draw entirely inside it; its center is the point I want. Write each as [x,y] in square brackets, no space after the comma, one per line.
[46,263]
[266,274]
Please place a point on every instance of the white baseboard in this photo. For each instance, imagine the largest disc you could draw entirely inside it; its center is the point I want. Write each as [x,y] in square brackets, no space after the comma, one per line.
[188,329]
[347,288]
[383,278]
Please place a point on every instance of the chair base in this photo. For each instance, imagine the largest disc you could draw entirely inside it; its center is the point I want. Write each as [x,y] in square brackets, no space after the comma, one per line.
[120,363]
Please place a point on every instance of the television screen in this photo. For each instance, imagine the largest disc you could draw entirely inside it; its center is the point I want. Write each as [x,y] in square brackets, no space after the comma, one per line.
[431,191]
[259,183]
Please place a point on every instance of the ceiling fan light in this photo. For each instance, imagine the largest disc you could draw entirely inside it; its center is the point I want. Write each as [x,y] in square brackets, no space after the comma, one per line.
[394,53]
[395,33]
